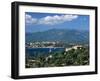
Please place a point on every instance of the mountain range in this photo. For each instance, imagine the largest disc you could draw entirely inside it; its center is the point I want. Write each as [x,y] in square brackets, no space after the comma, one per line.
[63,35]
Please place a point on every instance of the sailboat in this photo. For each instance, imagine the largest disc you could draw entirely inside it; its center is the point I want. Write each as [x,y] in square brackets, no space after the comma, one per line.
[50,50]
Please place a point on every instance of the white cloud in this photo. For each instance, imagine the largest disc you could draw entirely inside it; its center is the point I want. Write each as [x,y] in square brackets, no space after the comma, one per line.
[50,20]
[56,19]
[30,20]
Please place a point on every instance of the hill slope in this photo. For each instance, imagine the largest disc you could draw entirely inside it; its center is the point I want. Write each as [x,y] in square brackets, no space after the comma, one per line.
[70,36]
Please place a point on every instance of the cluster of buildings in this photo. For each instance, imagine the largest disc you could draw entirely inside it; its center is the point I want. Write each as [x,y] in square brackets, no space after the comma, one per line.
[43,44]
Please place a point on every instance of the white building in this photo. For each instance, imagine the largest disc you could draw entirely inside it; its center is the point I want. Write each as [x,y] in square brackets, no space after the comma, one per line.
[74,47]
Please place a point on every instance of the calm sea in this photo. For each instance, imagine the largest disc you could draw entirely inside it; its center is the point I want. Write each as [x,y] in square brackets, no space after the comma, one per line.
[43,51]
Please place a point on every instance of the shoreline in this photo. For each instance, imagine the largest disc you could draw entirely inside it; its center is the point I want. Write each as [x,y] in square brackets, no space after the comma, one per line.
[45,47]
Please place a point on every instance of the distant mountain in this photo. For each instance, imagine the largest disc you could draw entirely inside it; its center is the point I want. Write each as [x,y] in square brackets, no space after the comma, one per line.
[69,36]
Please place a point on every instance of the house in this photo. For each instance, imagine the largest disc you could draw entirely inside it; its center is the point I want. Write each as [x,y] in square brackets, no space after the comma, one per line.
[74,47]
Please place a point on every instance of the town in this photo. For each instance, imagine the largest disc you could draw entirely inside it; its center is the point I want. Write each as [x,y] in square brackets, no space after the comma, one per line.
[45,44]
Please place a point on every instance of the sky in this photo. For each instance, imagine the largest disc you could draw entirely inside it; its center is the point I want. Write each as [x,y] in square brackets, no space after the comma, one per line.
[38,22]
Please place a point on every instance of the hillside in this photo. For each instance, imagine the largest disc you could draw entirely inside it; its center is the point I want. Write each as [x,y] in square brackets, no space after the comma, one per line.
[69,36]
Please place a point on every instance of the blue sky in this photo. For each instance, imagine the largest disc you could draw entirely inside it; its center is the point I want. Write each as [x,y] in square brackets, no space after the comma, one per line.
[37,22]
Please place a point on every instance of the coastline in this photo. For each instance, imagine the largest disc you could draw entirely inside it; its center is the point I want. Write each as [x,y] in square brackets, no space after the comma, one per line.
[45,47]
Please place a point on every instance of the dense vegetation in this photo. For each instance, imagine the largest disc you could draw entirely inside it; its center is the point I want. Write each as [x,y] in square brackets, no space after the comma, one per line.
[73,57]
